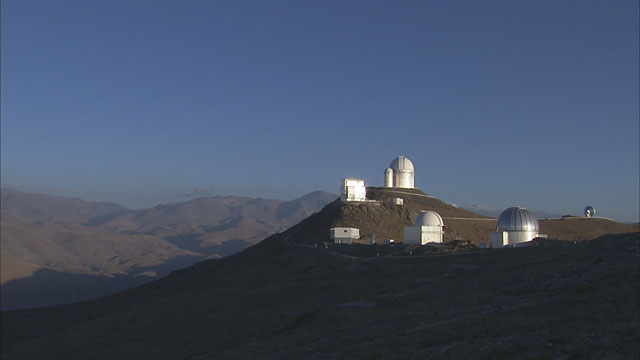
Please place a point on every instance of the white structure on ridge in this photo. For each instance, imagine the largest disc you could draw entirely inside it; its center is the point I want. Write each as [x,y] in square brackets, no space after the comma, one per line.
[353,190]
[344,235]
[589,211]
[400,174]
[429,227]
[515,225]
[388,177]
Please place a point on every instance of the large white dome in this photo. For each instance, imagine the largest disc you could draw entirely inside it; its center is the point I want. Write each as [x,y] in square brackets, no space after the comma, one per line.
[429,218]
[517,219]
[401,163]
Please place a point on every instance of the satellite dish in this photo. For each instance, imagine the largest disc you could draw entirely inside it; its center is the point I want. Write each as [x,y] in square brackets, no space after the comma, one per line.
[589,211]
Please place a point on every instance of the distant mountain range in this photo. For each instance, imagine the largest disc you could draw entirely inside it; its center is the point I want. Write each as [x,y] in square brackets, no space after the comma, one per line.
[56,250]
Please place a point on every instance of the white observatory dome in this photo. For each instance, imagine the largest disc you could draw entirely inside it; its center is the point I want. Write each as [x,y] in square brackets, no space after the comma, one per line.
[402,172]
[517,219]
[429,218]
[401,163]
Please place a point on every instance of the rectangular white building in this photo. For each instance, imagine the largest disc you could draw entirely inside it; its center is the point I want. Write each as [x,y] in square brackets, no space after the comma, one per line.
[353,190]
[344,235]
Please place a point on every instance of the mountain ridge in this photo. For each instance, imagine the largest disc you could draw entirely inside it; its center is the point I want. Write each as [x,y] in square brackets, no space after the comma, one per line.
[46,239]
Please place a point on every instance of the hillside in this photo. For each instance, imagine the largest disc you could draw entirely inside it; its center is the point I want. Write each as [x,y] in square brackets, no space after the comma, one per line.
[386,221]
[290,297]
[56,250]
[278,301]
[206,224]
[69,247]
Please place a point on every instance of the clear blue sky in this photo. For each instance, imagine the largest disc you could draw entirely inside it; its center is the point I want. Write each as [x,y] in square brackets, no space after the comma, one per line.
[498,103]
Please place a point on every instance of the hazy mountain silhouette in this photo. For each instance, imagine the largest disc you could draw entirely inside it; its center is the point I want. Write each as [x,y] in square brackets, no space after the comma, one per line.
[51,238]
[204,224]
[69,247]
[43,207]
[293,295]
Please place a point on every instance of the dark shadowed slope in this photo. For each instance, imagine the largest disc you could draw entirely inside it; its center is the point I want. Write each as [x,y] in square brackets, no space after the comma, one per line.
[48,263]
[279,301]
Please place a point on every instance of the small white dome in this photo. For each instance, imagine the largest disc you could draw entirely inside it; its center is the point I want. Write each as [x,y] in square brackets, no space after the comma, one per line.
[402,163]
[517,219]
[429,218]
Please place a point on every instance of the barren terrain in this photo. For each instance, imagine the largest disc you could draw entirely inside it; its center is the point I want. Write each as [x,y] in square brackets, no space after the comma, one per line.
[57,250]
[294,296]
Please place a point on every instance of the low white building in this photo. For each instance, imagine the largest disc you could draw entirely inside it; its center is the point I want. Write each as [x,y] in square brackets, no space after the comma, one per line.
[344,235]
[429,227]
[353,190]
[515,225]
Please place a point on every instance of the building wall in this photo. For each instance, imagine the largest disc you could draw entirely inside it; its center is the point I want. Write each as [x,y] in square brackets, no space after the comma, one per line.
[403,179]
[343,240]
[503,238]
[353,190]
[344,235]
[420,235]
[516,237]
[498,239]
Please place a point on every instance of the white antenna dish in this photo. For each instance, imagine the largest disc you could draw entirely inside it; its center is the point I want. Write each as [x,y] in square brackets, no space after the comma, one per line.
[589,211]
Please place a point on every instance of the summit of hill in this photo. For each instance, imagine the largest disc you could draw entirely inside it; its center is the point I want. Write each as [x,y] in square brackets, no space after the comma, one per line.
[386,221]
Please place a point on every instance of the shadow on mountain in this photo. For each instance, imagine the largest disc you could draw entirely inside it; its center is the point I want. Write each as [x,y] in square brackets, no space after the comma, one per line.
[193,242]
[227,224]
[227,248]
[189,242]
[95,221]
[48,287]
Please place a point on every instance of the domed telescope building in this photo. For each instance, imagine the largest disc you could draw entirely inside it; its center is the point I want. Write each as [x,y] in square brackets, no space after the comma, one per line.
[515,225]
[429,227]
[400,174]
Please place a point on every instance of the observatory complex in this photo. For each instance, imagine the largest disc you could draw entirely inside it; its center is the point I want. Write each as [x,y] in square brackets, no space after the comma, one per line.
[429,225]
[515,225]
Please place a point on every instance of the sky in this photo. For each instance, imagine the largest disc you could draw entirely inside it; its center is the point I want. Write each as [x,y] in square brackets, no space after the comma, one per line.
[497,103]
